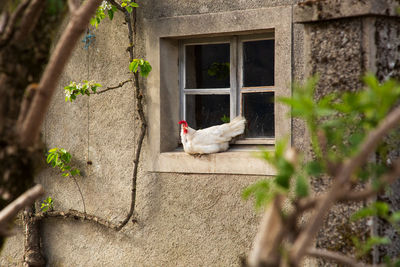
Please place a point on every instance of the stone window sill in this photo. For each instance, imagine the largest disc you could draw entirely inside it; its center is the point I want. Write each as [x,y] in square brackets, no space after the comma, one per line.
[234,161]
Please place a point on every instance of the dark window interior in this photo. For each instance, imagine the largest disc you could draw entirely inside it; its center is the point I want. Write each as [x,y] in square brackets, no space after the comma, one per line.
[206,110]
[258,109]
[258,63]
[207,66]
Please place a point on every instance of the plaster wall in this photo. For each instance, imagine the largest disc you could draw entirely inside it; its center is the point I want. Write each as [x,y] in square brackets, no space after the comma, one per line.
[183,219]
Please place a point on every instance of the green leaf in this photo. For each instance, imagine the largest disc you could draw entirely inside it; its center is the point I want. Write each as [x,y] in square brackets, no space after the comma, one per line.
[75,172]
[285,171]
[133,4]
[225,119]
[110,14]
[355,139]
[129,9]
[395,217]
[262,192]
[301,189]
[380,209]
[133,66]
[145,68]
[50,157]
[313,168]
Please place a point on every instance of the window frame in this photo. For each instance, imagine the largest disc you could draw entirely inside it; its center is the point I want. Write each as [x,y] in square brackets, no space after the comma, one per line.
[236,77]
[162,38]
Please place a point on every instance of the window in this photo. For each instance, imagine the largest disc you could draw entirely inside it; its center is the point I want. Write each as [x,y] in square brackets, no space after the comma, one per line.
[206,66]
[222,78]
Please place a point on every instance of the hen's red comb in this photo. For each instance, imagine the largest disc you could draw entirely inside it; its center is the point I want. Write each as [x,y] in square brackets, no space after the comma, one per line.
[183,122]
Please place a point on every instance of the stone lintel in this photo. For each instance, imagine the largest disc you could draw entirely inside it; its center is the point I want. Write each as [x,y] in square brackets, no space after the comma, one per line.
[318,10]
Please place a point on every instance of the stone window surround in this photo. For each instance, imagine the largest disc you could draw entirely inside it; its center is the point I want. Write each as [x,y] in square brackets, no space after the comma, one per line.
[162,50]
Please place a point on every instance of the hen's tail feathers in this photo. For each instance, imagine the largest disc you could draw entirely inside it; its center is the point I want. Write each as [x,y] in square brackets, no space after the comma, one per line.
[237,126]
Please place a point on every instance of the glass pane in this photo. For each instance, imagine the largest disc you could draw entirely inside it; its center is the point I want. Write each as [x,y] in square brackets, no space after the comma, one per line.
[203,111]
[258,109]
[258,63]
[207,66]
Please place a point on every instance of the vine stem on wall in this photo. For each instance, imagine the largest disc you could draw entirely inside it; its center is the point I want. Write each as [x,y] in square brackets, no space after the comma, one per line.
[130,19]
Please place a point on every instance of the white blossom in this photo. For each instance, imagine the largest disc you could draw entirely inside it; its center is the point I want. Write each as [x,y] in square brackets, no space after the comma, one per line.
[67,93]
[105,5]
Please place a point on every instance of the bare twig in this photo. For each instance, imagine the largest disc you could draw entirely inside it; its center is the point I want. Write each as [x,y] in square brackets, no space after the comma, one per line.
[114,87]
[26,103]
[29,20]
[3,21]
[80,192]
[369,145]
[54,68]
[24,200]
[75,215]
[353,196]
[337,257]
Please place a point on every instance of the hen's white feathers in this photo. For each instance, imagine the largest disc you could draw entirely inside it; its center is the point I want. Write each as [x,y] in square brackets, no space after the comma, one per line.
[213,139]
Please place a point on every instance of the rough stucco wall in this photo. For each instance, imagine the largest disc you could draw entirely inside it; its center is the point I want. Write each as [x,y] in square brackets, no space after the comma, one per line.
[335,54]
[183,219]
[171,8]
[387,39]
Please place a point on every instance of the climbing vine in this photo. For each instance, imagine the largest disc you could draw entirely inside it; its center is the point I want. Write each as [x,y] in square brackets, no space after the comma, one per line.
[60,158]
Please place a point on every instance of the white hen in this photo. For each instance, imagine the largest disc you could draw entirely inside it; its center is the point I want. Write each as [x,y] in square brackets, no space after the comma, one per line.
[210,140]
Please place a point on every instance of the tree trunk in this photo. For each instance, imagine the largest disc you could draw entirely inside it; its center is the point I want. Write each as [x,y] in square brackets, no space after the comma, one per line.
[25,44]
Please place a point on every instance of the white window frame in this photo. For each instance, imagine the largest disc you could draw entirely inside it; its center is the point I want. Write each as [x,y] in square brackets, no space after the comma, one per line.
[236,78]
[162,38]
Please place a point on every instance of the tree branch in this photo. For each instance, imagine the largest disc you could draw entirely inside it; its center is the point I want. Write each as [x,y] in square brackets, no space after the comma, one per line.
[10,30]
[3,21]
[52,73]
[265,251]
[26,103]
[24,200]
[369,145]
[29,20]
[114,87]
[73,6]
[337,257]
